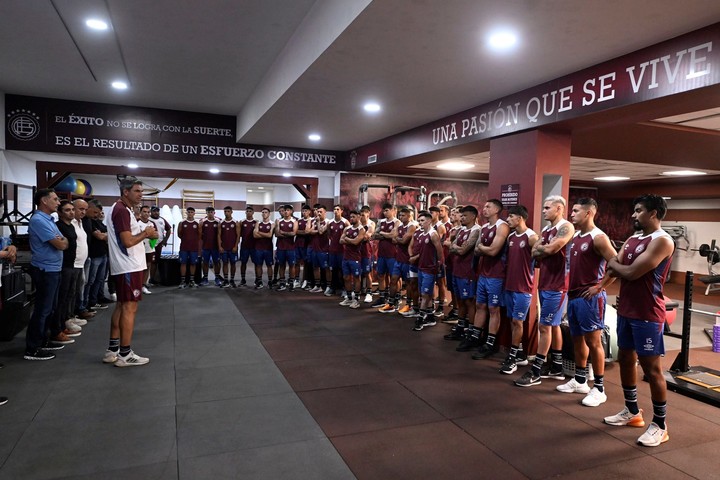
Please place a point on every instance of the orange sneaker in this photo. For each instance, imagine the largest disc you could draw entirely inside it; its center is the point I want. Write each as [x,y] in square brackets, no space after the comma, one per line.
[387,308]
[405,308]
[626,418]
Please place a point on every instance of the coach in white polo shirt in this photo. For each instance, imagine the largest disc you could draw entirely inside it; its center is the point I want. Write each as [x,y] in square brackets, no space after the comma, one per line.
[127,262]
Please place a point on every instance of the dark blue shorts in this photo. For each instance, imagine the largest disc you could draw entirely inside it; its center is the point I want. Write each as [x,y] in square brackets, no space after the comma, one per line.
[228,256]
[385,265]
[426,282]
[283,256]
[351,268]
[263,256]
[552,304]
[517,304]
[643,336]
[489,291]
[188,257]
[246,254]
[464,288]
[586,315]
[210,253]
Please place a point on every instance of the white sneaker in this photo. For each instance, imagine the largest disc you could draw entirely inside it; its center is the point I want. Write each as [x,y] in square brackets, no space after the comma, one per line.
[654,436]
[315,289]
[296,284]
[80,322]
[573,387]
[304,284]
[328,292]
[113,297]
[72,327]
[132,360]
[354,304]
[110,356]
[626,418]
[146,291]
[345,302]
[594,398]
[368,298]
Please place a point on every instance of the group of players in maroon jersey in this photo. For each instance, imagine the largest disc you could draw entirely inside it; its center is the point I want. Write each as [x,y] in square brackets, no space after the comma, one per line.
[482,266]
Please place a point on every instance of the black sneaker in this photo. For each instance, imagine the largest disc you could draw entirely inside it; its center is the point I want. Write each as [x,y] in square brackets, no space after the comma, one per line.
[419,324]
[456,333]
[429,321]
[49,346]
[468,343]
[258,285]
[528,380]
[232,284]
[281,287]
[243,283]
[509,366]
[380,302]
[225,284]
[484,351]
[39,354]
[521,359]
[554,374]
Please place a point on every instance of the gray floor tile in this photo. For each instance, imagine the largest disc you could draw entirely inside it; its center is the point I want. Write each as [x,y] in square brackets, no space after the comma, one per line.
[306,460]
[156,471]
[238,424]
[217,346]
[231,381]
[11,433]
[98,442]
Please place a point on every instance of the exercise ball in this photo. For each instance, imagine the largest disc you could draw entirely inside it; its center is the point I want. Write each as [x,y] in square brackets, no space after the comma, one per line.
[88,187]
[80,189]
[69,184]
[670,314]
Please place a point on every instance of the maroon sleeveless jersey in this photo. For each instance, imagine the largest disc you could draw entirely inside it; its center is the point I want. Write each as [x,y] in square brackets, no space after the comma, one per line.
[491,267]
[209,234]
[319,242]
[228,234]
[520,264]
[463,264]
[386,248]
[587,268]
[190,240]
[247,227]
[428,260]
[286,243]
[352,252]
[335,231]
[553,268]
[642,299]
[264,243]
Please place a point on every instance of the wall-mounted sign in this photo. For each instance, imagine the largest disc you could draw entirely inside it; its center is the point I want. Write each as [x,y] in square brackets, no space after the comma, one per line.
[679,65]
[510,194]
[82,128]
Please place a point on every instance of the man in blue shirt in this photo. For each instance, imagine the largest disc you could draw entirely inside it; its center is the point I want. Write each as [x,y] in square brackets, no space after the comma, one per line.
[46,245]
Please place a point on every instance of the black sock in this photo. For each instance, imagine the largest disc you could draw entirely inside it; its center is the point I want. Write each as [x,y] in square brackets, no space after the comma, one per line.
[581,374]
[491,340]
[537,364]
[659,410]
[125,350]
[114,345]
[599,383]
[630,394]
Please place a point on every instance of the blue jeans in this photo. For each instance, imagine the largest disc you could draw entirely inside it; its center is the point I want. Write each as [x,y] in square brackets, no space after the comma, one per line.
[94,281]
[46,295]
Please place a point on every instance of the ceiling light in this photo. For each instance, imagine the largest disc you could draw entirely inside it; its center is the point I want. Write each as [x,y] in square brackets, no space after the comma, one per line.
[249,191]
[501,40]
[96,24]
[683,173]
[372,107]
[132,165]
[286,175]
[261,188]
[611,178]
[214,170]
[314,137]
[455,166]
[119,85]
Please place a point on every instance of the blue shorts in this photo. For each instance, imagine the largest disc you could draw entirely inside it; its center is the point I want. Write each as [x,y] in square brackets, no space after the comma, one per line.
[263,256]
[401,270]
[586,315]
[645,337]
[517,304]
[208,253]
[283,256]
[385,265]
[246,254]
[489,291]
[552,304]
[351,268]
[426,283]
[228,256]
[301,254]
[464,288]
[320,259]
[192,257]
[336,260]
[366,265]
[413,272]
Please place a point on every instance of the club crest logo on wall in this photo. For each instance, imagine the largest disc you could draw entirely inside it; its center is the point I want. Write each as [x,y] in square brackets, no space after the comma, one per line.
[23,125]
[353,159]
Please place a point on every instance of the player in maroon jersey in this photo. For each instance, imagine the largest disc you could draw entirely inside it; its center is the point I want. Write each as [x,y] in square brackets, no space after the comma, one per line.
[209,229]
[190,247]
[285,230]
[642,266]
[228,238]
[247,242]
[263,234]
[429,261]
[351,239]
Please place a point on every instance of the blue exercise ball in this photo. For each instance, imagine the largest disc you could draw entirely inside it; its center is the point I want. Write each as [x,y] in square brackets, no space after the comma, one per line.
[69,184]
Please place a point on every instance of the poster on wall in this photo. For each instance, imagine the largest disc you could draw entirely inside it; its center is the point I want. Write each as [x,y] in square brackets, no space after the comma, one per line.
[84,128]
[509,194]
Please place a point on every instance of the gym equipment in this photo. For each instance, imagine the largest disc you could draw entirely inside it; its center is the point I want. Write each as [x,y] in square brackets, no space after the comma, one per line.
[443,197]
[712,253]
[68,184]
[363,195]
[700,383]
[80,189]
[88,187]
[420,200]
[678,232]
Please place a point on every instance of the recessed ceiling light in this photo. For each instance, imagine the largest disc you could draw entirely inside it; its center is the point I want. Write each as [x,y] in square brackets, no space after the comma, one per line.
[502,40]
[249,191]
[96,24]
[132,165]
[683,173]
[455,166]
[611,178]
[372,107]
[119,85]
[314,137]
[214,170]
[286,175]
[261,188]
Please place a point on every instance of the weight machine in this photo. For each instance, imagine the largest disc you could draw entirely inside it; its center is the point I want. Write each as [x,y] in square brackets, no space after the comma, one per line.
[712,253]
